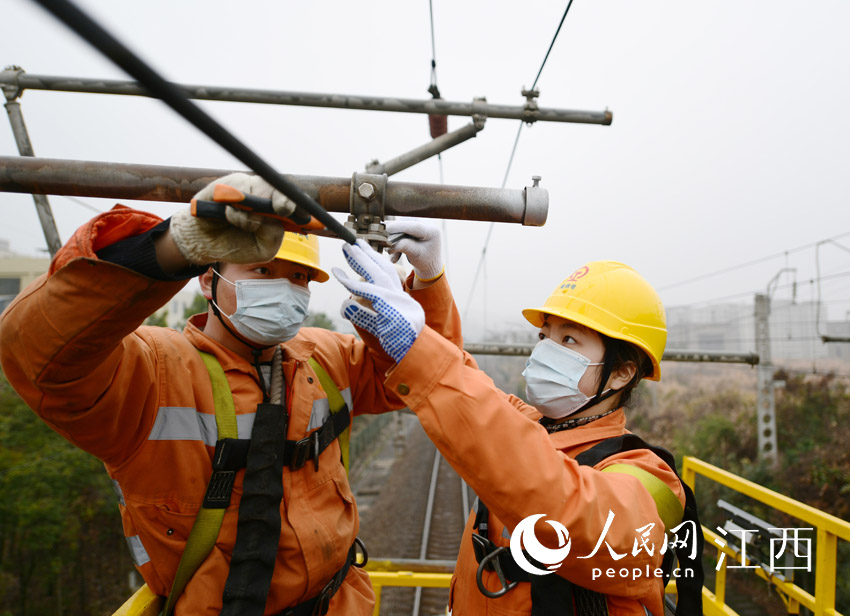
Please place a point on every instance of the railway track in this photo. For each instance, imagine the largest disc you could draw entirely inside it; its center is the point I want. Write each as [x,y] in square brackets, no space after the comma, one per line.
[419,514]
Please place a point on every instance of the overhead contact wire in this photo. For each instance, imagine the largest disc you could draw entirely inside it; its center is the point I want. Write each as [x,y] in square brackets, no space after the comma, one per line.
[511,160]
[174,97]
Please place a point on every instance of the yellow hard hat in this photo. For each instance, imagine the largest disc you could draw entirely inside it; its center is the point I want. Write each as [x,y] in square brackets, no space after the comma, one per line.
[302,249]
[613,299]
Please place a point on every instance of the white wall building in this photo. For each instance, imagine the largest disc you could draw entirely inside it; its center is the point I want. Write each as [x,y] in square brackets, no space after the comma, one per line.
[793,329]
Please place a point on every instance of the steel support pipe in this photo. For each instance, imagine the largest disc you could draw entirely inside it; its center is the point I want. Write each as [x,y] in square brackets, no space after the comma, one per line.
[42,205]
[426,151]
[21,81]
[46,176]
[721,357]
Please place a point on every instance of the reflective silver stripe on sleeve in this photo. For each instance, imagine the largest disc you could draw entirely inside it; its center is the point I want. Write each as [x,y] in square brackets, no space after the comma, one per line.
[322,408]
[320,412]
[117,489]
[137,550]
[181,423]
[245,425]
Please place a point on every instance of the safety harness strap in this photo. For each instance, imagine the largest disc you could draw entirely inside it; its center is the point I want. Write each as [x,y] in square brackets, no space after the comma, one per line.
[208,521]
[551,591]
[231,455]
[340,413]
[689,589]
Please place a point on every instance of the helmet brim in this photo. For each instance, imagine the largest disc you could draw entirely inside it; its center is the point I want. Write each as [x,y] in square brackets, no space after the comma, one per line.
[537,316]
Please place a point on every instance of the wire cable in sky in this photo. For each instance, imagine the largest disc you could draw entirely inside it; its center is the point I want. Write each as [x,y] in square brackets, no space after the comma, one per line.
[799,283]
[552,44]
[726,270]
[490,229]
[433,46]
[175,97]
[513,152]
[82,203]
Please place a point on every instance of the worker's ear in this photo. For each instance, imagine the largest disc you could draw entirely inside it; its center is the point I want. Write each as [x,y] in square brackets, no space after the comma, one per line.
[205,280]
[622,375]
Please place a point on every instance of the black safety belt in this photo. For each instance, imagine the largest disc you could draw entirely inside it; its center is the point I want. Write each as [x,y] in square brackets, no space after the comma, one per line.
[258,526]
[553,595]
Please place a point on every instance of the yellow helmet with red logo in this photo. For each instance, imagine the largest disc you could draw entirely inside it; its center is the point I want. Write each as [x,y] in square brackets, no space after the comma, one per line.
[613,299]
[304,250]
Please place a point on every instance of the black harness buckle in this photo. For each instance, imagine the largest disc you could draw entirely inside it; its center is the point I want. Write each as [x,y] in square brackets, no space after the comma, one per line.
[219,489]
[482,546]
[300,454]
[314,440]
[491,562]
[307,448]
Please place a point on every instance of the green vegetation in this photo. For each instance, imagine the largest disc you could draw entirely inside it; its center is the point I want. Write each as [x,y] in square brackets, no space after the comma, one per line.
[709,413]
[62,549]
[319,319]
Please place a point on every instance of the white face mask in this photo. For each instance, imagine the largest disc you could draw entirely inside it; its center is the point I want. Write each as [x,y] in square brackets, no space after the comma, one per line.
[268,311]
[552,374]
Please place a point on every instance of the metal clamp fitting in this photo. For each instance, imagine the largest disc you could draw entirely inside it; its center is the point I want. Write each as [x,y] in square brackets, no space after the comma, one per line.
[366,201]
[536,204]
[9,79]
[479,112]
[531,111]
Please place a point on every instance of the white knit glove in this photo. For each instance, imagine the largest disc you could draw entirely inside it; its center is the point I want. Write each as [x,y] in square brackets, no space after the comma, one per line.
[243,238]
[395,318]
[420,242]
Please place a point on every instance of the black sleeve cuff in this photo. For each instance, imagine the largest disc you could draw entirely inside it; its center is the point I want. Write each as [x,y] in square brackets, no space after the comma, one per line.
[137,253]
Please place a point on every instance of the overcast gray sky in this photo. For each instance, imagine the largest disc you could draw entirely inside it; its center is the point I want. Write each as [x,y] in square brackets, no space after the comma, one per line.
[730,139]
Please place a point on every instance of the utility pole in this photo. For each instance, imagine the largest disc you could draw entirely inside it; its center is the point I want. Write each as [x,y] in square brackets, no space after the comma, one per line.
[765,401]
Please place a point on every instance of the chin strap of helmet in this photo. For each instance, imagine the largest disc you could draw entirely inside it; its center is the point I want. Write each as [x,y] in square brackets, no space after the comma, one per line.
[601,394]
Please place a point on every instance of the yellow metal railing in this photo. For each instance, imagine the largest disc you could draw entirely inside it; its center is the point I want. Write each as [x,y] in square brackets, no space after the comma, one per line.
[829,529]
[142,603]
[392,573]
[382,573]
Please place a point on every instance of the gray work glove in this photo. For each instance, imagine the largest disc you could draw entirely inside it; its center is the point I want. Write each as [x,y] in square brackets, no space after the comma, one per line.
[243,238]
[419,241]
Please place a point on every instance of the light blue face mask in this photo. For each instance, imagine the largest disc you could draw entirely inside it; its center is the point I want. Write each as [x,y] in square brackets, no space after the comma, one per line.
[552,374]
[268,311]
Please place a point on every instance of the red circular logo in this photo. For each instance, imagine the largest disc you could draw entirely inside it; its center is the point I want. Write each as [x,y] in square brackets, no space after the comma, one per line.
[579,273]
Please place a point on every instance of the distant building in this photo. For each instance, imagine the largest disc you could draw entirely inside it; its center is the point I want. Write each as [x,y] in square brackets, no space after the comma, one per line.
[720,327]
[793,330]
[731,327]
[16,272]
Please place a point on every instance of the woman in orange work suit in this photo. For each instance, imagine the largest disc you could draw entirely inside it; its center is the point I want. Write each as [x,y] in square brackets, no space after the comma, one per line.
[573,509]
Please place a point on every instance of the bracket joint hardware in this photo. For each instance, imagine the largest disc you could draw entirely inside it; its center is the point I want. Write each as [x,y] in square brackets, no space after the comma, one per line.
[367,213]
[12,91]
[531,112]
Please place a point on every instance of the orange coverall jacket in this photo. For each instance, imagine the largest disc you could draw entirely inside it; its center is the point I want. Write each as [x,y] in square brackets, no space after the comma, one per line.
[518,469]
[140,399]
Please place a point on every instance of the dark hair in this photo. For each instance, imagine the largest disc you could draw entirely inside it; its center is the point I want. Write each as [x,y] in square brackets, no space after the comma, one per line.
[619,352]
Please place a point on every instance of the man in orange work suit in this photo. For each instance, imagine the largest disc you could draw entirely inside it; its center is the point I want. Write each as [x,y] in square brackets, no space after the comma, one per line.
[142,400]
